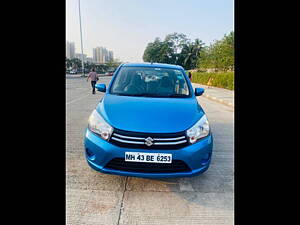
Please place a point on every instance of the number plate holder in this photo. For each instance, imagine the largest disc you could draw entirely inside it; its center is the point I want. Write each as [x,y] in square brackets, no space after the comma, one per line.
[148,157]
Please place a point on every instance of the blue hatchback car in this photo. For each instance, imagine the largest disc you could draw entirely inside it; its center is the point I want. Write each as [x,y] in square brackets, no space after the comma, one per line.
[149,124]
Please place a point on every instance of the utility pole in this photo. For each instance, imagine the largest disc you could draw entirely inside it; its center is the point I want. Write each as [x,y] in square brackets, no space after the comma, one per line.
[81,39]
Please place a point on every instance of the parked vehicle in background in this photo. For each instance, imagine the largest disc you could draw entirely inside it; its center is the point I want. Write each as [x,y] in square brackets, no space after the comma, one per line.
[149,124]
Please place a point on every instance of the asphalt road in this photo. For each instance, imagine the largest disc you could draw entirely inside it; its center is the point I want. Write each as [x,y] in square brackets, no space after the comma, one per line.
[96,198]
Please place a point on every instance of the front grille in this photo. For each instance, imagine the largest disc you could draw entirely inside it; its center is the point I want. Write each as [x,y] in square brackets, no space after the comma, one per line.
[142,167]
[128,139]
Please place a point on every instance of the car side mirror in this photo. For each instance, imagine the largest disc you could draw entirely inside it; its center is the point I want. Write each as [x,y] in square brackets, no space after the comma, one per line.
[199,91]
[101,87]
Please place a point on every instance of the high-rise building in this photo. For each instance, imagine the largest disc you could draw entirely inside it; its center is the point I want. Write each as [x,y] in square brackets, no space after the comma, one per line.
[70,50]
[96,55]
[110,56]
[102,55]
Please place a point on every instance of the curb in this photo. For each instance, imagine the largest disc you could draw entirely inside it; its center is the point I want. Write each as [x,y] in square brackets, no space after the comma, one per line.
[218,100]
[214,98]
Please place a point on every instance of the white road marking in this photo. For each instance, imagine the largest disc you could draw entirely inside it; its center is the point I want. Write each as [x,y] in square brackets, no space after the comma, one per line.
[77,99]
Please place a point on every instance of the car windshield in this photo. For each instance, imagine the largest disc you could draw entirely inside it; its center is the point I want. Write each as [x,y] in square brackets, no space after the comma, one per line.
[150,82]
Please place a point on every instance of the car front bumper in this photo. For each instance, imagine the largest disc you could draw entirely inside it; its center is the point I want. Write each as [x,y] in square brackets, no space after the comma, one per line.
[197,156]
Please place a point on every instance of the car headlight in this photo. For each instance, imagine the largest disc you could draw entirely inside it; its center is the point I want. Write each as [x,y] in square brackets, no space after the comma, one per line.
[98,125]
[199,130]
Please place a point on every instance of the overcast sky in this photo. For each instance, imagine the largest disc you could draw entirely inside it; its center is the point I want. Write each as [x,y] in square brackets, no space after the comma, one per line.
[127,26]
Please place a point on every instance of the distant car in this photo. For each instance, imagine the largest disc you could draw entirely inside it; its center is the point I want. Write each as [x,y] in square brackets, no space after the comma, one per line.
[73,72]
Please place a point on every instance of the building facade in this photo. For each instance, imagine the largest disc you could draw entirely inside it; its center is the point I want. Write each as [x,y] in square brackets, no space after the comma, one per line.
[70,50]
[110,56]
[102,55]
[96,54]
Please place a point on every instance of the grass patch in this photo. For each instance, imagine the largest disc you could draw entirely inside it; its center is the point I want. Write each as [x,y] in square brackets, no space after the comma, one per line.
[221,80]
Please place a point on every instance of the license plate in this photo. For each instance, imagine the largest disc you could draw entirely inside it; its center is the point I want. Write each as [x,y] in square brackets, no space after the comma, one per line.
[148,157]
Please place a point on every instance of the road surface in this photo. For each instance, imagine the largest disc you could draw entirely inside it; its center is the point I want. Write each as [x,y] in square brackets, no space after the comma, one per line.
[96,198]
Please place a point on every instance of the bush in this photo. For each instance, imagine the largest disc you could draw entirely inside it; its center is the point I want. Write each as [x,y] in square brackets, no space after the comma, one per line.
[221,80]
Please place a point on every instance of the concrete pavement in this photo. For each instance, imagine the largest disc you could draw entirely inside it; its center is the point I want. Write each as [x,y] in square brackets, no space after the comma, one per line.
[96,198]
[220,95]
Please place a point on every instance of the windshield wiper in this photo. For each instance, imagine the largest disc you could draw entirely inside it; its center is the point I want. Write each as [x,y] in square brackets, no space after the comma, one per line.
[149,95]
[125,94]
[162,96]
[177,96]
[154,95]
[122,94]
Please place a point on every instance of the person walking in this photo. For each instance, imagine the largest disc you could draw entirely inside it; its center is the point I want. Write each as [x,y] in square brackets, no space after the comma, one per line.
[190,75]
[94,78]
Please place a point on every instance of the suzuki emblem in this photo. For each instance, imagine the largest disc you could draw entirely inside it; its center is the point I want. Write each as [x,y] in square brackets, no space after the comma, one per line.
[148,141]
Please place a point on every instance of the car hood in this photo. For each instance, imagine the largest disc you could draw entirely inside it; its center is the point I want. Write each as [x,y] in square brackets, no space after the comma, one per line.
[150,115]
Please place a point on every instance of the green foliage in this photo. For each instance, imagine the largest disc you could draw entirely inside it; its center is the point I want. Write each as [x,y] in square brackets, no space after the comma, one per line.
[178,49]
[219,55]
[102,68]
[175,49]
[221,80]
[113,64]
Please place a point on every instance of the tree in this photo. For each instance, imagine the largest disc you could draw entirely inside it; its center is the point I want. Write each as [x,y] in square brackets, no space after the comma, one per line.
[152,51]
[176,42]
[175,49]
[220,54]
[190,53]
[68,63]
[113,63]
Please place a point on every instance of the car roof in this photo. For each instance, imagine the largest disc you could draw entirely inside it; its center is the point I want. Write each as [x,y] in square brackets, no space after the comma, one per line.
[161,65]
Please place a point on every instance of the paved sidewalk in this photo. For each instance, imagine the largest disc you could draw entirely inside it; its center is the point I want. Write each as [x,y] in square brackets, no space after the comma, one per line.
[220,95]
[73,75]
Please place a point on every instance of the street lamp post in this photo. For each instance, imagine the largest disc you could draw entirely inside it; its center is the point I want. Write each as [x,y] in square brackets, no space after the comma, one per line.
[81,39]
